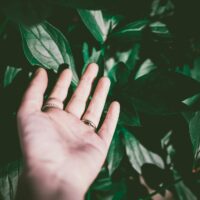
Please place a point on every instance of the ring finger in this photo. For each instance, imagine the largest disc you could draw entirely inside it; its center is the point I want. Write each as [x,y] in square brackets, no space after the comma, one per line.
[95,108]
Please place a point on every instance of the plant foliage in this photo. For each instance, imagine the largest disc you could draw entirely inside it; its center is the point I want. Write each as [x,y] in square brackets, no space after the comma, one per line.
[149,50]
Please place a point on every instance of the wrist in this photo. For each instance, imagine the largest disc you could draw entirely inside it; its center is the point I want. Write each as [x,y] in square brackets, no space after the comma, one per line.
[43,186]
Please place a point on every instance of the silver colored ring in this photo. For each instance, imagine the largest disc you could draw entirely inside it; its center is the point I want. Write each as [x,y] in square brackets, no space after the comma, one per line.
[89,123]
[53,103]
[50,105]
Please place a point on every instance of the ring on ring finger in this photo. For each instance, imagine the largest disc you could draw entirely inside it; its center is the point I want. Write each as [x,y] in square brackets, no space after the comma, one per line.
[89,123]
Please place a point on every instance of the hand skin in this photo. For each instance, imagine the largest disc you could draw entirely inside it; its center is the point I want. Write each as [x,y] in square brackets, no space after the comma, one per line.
[62,155]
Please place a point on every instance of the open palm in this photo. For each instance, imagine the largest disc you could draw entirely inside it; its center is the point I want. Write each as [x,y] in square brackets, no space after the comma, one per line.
[56,144]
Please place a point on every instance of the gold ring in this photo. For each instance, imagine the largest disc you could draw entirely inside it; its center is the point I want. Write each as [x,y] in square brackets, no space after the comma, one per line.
[89,123]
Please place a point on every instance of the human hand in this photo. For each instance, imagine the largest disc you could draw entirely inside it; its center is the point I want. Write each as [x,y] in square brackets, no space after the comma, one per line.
[63,155]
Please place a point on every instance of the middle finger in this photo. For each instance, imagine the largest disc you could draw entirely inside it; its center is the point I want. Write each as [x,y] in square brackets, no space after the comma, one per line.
[77,103]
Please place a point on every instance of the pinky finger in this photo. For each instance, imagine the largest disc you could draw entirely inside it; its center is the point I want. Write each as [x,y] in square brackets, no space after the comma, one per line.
[109,125]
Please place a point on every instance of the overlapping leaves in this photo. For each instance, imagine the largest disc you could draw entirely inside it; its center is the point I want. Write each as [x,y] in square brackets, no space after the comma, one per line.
[46,46]
[152,88]
[161,92]
[138,154]
[98,23]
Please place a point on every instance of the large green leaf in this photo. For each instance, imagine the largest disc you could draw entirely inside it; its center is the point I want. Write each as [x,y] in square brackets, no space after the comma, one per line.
[128,115]
[116,152]
[10,74]
[165,85]
[45,45]
[161,91]
[119,75]
[138,154]
[94,21]
[97,23]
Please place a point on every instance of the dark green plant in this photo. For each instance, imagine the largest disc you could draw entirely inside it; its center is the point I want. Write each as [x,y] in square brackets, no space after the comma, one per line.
[150,51]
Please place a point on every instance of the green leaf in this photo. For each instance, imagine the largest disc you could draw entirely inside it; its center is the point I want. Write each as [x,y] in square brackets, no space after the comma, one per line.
[119,74]
[116,152]
[193,102]
[160,29]
[115,191]
[145,68]
[194,127]
[185,70]
[85,52]
[167,145]
[157,108]
[9,175]
[165,85]
[161,91]
[102,184]
[111,73]
[182,190]
[98,24]
[121,61]
[131,31]
[10,74]
[133,56]
[129,117]
[95,23]
[138,154]
[95,57]
[112,20]
[107,189]
[45,45]
[122,74]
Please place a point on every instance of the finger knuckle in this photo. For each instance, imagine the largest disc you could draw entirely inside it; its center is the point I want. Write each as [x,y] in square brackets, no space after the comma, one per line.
[89,114]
